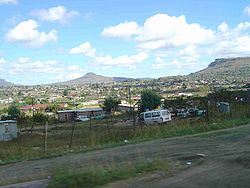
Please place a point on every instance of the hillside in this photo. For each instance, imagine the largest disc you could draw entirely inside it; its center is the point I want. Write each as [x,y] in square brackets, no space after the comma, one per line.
[5,83]
[226,69]
[93,78]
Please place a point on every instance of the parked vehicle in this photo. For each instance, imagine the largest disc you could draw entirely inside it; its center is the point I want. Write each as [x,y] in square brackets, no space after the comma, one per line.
[155,116]
[82,118]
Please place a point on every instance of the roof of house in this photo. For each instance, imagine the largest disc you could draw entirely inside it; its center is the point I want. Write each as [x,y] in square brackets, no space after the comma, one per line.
[7,121]
[81,110]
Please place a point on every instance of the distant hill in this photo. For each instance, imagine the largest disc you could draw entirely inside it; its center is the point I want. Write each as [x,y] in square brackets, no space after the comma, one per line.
[94,78]
[226,69]
[5,83]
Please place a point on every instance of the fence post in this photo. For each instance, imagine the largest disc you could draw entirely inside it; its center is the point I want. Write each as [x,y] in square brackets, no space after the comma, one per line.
[46,137]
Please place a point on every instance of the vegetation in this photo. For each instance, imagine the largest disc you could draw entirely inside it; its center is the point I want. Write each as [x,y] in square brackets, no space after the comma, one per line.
[110,103]
[149,100]
[14,111]
[30,146]
[98,176]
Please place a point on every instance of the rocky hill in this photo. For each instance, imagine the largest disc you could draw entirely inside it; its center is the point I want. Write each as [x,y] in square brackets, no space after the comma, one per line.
[226,68]
[93,78]
[5,83]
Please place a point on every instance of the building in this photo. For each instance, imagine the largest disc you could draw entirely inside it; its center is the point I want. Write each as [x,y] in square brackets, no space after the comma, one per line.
[8,130]
[224,107]
[71,115]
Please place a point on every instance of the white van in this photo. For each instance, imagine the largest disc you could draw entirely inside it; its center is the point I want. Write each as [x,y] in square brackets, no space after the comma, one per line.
[155,116]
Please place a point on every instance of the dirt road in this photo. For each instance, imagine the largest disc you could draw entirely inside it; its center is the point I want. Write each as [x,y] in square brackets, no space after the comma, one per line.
[227,161]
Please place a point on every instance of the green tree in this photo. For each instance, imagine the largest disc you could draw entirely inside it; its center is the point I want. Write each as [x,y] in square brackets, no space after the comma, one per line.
[149,100]
[40,118]
[65,92]
[14,111]
[110,103]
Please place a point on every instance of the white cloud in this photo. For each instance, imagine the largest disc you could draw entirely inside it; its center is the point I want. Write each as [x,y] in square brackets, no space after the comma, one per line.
[123,60]
[164,31]
[161,31]
[8,1]
[73,76]
[74,67]
[223,27]
[231,42]
[24,64]
[123,30]
[247,10]
[107,60]
[26,32]
[55,14]
[85,49]
[2,61]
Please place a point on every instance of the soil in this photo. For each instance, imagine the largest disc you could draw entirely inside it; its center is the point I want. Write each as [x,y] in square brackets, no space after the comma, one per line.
[215,159]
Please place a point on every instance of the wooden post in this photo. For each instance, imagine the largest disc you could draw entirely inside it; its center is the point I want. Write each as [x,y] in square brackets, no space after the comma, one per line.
[46,137]
[72,132]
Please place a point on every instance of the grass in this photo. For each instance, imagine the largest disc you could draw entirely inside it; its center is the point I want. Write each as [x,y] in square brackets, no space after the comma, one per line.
[97,176]
[30,146]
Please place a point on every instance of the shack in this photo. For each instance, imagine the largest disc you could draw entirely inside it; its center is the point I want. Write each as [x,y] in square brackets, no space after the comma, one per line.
[224,107]
[8,130]
[71,115]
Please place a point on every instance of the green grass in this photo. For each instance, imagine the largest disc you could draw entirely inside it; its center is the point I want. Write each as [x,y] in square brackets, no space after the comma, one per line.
[97,176]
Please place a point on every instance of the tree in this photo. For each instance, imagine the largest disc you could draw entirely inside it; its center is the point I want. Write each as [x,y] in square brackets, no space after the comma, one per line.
[14,111]
[149,100]
[65,92]
[110,103]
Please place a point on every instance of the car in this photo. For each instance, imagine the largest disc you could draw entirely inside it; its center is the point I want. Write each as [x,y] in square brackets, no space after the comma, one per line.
[82,118]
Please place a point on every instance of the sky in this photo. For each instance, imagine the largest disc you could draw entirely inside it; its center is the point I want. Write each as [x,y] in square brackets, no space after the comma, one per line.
[58,40]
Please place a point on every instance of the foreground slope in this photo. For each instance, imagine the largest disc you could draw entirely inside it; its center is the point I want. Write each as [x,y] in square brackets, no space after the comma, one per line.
[227,161]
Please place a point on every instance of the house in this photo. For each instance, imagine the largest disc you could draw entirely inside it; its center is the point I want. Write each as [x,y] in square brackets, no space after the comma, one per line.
[8,130]
[71,115]
[36,107]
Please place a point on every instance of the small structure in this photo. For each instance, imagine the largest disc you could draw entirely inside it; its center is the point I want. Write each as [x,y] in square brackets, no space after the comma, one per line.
[71,115]
[224,107]
[8,130]
[127,107]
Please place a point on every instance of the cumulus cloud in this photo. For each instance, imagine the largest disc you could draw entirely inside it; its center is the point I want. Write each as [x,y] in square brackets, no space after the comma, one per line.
[55,14]
[231,42]
[247,10]
[123,30]
[186,42]
[26,32]
[8,1]
[161,31]
[85,49]
[107,60]
[123,60]
[24,64]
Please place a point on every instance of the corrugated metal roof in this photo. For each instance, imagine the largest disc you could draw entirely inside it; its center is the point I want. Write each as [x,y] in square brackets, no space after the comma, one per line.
[81,110]
[8,121]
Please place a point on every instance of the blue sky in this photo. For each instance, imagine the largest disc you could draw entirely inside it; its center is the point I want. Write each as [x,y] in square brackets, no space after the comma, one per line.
[51,41]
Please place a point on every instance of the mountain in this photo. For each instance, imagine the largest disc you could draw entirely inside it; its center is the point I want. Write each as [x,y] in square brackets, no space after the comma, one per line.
[93,78]
[5,83]
[227,69]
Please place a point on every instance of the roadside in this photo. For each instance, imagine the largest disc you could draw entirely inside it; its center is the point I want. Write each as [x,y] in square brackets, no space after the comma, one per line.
[227,154]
